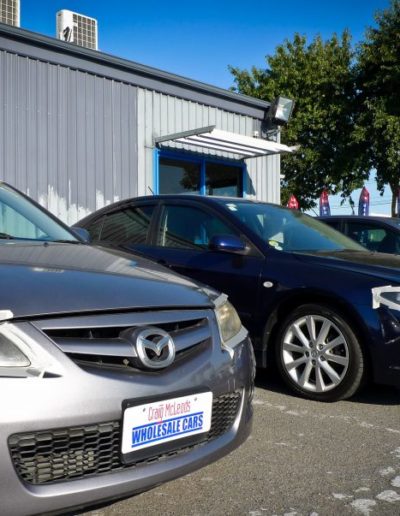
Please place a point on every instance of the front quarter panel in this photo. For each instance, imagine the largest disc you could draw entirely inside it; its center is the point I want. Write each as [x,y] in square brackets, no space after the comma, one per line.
[288,282]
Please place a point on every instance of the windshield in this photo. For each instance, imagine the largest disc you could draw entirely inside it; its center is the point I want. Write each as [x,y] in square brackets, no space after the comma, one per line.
[22,220]
[289,230]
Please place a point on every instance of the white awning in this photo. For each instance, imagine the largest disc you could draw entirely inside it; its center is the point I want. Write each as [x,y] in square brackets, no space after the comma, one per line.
[224,141]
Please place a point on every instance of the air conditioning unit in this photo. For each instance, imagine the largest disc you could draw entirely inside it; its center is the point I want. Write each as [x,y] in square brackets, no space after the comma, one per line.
[10,12]
[78,29]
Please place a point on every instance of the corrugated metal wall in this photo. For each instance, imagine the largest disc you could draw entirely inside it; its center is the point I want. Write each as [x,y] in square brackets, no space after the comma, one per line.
[160,115]
[67,138]
[76,142]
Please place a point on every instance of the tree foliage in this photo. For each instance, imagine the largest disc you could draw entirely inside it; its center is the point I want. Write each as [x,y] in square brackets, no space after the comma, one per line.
[319,76]
[378,83]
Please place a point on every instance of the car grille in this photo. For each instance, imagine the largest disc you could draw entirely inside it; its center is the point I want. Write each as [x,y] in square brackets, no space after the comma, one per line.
[70,453]
[99,341]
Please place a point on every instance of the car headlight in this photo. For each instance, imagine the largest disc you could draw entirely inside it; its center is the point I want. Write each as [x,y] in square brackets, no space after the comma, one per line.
[20,357]
[228,320]
[388,296]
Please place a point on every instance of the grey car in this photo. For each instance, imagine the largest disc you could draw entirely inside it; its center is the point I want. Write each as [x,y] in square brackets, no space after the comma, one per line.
[115,375]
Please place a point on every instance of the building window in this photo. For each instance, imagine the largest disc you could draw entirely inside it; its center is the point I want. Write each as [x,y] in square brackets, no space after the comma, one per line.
[225,180]
[186,174]
[179,176]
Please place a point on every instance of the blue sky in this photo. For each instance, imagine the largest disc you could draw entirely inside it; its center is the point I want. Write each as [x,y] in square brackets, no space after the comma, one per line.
[200,39]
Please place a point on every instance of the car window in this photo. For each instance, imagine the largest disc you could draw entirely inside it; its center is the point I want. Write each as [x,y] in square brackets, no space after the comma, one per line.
[94,228]
[188,227]
[129,225]
[288,230]
[21,219]
[18,226]
[333,223]
[373,238]
[390,243]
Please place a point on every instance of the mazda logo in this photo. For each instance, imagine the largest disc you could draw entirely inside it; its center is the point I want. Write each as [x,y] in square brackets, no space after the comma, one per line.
[154,347]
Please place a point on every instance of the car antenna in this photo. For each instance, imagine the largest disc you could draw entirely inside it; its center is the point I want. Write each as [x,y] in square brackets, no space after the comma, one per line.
[152,193]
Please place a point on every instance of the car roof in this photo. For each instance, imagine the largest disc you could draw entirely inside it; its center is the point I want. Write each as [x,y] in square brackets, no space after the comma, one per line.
[201,198]
[205,199]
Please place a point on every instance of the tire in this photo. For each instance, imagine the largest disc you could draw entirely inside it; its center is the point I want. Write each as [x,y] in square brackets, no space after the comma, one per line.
[318,354]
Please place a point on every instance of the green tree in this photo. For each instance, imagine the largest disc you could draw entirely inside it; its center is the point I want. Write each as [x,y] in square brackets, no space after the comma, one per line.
[320,78]
[378,122]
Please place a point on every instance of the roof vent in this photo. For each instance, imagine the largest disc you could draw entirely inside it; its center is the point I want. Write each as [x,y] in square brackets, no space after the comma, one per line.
[78,29]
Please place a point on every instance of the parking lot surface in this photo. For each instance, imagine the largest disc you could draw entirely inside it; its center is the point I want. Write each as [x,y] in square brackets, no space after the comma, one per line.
[304,458]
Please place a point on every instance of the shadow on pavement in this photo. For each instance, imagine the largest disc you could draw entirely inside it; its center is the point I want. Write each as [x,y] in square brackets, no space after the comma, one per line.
[371,394]
[374,394]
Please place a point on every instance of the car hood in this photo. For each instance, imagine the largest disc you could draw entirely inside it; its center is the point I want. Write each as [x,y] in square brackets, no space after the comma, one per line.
[53,278]
[378,265]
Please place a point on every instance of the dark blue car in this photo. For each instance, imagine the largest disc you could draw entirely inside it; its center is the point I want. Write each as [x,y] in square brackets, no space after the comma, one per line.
[323,307]
[381,234]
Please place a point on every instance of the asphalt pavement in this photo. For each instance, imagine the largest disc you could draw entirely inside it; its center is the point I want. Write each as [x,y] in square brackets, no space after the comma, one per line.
[303,458]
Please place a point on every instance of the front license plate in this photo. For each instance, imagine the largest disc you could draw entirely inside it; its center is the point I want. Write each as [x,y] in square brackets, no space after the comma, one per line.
[164,421]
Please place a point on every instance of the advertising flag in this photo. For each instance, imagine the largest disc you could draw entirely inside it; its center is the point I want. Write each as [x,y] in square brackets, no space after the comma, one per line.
[324,208]
[293,203]
[363,203]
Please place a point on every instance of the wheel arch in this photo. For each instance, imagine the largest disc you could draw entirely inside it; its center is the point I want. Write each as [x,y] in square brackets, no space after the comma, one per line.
[340,305]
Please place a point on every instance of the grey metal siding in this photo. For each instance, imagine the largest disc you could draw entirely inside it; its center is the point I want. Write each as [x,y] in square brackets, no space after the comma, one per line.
[264,178]
[54,51]
[160,114]
[77,127]
[67,138]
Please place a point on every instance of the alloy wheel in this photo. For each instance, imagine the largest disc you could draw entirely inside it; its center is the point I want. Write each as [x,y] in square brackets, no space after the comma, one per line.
[315,353]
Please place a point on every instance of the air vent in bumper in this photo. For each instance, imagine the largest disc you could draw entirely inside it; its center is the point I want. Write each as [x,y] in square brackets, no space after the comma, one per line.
[76,452]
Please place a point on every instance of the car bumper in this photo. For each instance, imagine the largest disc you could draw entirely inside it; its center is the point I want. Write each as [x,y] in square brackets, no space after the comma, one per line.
[39,413]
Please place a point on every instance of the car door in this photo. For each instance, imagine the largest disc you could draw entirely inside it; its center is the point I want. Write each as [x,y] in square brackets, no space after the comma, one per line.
[181,241]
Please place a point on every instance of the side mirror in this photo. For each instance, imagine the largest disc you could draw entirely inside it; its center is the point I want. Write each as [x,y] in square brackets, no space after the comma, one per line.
[82,234]
[227,243]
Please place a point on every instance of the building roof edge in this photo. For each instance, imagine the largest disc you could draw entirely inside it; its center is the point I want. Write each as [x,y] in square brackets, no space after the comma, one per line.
[72,50]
